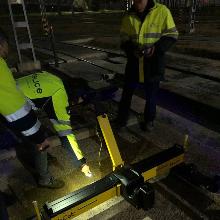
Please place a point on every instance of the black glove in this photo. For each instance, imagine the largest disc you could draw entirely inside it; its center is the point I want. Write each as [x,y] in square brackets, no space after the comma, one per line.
[140,51]
[148,51]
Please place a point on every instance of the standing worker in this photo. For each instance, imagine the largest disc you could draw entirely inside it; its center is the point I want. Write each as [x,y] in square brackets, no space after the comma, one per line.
[147,33]
[48,92]
[21,118]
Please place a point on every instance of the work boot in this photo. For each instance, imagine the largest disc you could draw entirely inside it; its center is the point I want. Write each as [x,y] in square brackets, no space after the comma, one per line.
[147,126]
[51,184]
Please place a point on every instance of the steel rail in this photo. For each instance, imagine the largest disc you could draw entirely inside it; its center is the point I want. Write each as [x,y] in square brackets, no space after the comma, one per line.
[213,78]
[198,112]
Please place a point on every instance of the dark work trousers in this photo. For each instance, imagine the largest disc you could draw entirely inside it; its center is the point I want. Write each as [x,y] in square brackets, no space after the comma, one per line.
[3,209]
[41,166]
[151,90]
[33,160]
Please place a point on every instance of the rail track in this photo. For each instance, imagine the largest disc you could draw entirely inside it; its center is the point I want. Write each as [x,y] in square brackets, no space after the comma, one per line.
[196,110]
[120,54]
[193,201]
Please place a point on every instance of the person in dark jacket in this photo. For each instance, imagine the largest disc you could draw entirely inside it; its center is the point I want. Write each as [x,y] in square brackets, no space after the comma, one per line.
[147,33]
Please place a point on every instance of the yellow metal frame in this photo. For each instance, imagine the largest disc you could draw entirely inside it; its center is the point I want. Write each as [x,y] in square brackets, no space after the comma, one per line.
[115,191]
[117,162]
[110,141]
[87,205]
[163,168]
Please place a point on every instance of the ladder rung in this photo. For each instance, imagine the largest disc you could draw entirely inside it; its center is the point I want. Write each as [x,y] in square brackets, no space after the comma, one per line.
[15,2]
[21,24]
[25,46]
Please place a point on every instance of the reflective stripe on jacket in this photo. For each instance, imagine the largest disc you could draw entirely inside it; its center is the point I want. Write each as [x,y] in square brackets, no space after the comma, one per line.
[14,107]
[11,99]
[45,85]
[20,113]
[158,23]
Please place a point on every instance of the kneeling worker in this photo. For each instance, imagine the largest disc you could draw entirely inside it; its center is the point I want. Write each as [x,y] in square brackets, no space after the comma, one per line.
[49,92]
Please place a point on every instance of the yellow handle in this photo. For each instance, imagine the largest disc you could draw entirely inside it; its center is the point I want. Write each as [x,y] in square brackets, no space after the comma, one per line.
[37,210]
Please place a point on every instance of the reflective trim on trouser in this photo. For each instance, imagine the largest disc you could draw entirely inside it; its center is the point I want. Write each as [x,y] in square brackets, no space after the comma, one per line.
[32,130]
[19,113]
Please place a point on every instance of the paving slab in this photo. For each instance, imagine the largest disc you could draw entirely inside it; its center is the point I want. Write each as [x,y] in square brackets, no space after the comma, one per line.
[115,67]
[82,69]
[72,51]
[193,87]
[79,41]
[198,65]
[118,208]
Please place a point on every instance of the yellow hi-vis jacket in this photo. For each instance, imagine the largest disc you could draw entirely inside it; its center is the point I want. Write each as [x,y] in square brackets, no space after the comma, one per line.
[158,23]
[15,108]
[11,99]
[45,85]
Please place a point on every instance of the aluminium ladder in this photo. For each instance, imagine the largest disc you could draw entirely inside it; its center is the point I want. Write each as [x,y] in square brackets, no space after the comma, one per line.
[23,65]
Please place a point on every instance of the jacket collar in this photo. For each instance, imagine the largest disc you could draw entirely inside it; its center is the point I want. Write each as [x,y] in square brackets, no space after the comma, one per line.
[151,4]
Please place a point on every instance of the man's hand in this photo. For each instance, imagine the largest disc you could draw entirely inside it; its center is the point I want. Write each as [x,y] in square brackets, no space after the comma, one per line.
[85,169]
[148,52]
[44,145]
[143,51]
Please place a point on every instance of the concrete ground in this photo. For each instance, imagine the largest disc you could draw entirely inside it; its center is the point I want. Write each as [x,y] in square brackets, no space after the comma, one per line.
[133,143]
